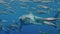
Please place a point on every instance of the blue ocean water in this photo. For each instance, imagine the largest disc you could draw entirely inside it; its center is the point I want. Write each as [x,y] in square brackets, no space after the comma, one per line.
[20,8]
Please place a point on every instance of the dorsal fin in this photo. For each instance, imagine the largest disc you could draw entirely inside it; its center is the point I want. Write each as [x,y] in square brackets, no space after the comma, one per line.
[30,13]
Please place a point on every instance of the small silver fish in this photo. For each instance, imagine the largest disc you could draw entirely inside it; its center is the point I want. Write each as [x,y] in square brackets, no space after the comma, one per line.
[4,21]
[8,6]
[42,6]
[24,5]
[51,19]
[34,8]
[36,1]
[13,27]
[3,12]
[24,0]
[47,1]
[12,0]
[49,23]
[40,12]
[1,1]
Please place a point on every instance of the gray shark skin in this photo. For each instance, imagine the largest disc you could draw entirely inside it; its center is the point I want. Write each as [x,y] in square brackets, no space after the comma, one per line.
[31,19]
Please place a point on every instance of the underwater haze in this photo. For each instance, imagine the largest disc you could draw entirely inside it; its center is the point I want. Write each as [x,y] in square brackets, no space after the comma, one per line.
[11,10]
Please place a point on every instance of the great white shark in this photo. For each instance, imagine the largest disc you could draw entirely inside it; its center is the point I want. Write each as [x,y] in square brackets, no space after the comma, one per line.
[32,19]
